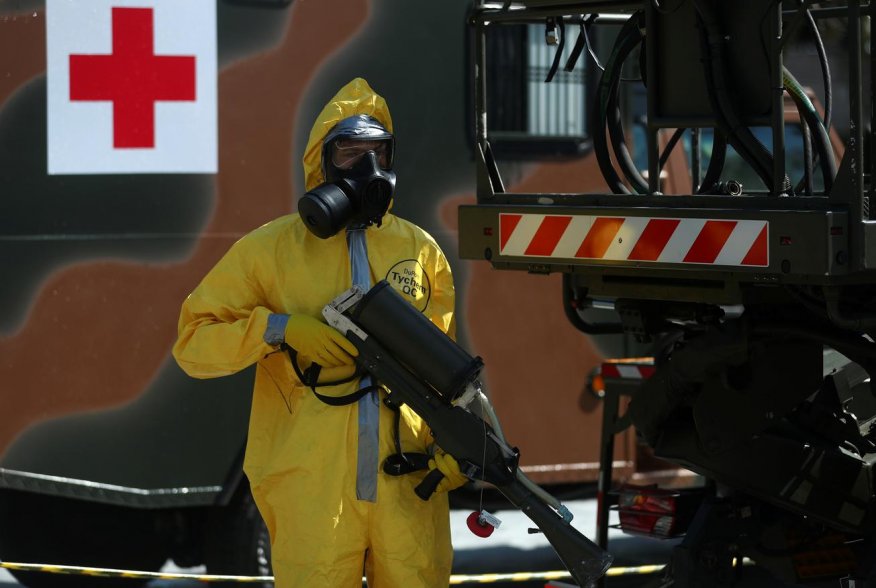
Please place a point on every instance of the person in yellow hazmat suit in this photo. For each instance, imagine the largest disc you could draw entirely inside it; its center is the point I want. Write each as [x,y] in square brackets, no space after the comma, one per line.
[317,448]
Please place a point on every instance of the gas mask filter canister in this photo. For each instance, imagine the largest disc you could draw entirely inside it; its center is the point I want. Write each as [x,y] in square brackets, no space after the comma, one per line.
[356,195]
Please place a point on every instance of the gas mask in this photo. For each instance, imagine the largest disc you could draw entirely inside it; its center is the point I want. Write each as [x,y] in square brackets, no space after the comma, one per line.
[359,182]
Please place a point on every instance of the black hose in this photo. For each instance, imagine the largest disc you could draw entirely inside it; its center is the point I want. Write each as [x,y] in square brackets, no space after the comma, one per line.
[627,40]
[667,151]
[561,27]
[570,308]
[810,118]
[580,43]
[585,28]
[716,163]
[825,68]
[619,142]
[828,91]
[739,135]
[615,122]
[806,181]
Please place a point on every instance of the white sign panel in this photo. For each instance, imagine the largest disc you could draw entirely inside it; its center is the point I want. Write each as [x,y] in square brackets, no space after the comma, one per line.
[131,86]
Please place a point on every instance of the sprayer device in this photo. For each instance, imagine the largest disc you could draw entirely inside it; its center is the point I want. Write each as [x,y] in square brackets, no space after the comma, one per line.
[424,368]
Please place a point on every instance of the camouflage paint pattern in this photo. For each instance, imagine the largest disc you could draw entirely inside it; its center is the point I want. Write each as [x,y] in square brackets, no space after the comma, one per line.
[95,267]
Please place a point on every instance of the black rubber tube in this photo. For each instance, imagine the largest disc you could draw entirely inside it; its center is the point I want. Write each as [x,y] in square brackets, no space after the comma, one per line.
[627,40]
[739,135]
[821,140]
[716,163]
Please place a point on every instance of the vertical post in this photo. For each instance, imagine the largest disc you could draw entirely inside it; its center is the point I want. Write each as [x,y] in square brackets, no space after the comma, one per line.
[856,137]
[870,166]
[488,181]
[653,159]
[610,404]
[480,83]
[695,159]
[651,128]
[610,409]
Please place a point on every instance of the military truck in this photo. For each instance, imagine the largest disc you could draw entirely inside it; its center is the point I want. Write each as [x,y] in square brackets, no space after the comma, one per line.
[754,294]
[109,455]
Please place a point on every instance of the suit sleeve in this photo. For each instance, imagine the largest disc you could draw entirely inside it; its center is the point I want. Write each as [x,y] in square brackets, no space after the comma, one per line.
[441,306]
[222,324]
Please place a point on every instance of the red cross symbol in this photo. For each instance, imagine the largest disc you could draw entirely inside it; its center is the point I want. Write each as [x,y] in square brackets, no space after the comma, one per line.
[133,78]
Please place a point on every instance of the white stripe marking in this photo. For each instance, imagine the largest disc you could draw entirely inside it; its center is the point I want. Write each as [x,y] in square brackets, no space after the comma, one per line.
[741,239]
[523,234]
[573,236]
[626,238]
[681,240]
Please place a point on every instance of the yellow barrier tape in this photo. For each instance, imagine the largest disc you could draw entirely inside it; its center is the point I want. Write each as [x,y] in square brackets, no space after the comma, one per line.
[109,572]
[455,579]
[649,569]
[553,575]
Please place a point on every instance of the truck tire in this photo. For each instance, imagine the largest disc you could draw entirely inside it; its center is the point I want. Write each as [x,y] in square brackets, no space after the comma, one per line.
[44,529]
[237,542]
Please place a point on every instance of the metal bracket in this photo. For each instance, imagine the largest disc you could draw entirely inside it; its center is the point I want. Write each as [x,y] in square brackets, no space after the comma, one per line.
[333,312]
[472,391]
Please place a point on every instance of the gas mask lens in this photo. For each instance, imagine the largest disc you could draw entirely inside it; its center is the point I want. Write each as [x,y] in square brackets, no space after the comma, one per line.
[346,152]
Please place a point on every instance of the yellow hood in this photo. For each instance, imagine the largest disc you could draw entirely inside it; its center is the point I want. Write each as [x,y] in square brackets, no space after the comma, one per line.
[356,97]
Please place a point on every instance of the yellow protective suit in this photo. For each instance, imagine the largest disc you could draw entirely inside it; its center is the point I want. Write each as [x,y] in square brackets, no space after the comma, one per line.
[301,454]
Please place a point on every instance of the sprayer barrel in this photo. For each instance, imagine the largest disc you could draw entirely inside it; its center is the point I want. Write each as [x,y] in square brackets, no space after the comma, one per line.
[411,338]
[585,560]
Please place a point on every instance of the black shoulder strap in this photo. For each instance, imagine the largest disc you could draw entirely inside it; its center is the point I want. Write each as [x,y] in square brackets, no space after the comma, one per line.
[344,400]
[310,376]
[401,463]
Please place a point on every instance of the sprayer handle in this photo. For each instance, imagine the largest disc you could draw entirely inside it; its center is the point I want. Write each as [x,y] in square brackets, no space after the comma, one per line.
[427,487]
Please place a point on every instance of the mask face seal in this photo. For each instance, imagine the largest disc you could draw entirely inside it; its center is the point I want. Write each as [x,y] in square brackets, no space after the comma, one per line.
[357,161]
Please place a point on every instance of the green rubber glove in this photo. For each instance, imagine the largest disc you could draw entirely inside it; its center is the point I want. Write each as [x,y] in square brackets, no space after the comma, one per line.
[319,342]
[448,466]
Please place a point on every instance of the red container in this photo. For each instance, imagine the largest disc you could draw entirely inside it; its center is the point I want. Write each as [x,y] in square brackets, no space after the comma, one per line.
[656,512]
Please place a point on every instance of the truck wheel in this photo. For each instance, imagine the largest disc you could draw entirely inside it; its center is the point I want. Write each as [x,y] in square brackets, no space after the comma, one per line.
[51,530]
[237,542]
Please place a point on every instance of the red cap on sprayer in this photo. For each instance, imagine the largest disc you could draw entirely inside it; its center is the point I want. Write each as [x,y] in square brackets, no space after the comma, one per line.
[479,526]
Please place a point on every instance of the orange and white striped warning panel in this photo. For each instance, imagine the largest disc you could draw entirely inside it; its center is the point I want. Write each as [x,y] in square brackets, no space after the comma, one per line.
[725,242]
